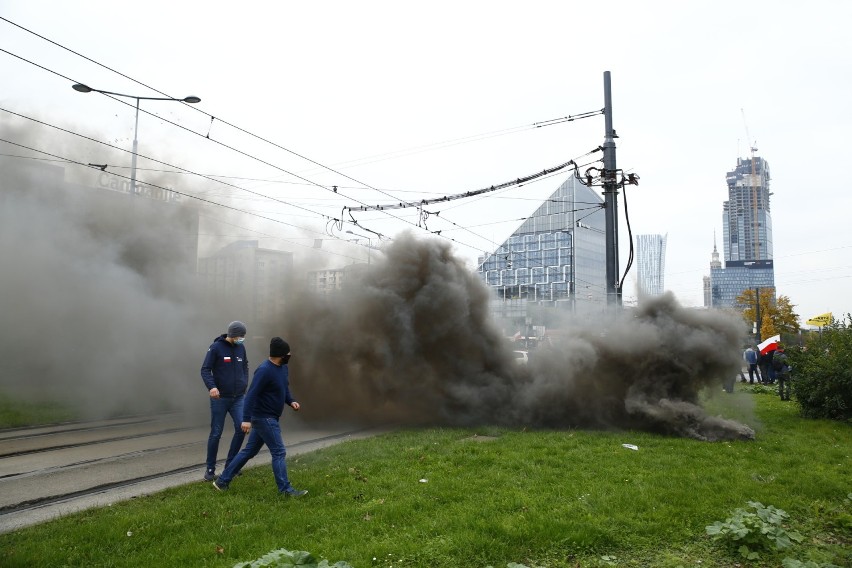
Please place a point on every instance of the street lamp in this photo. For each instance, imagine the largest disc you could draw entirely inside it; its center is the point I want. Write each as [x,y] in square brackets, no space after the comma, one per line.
[369,244]
[81,88]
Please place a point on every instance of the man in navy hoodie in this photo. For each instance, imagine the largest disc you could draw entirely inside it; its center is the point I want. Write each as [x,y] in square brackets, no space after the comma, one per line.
[265,401]
[225,374]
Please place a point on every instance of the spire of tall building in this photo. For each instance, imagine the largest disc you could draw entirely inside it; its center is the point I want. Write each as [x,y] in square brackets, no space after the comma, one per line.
[714,258]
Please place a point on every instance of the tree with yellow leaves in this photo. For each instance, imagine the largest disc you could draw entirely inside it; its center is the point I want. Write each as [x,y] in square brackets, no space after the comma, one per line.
[776,316]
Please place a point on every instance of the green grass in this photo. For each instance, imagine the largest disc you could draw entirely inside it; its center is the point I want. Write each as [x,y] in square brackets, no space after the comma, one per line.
[15,412]
[491,496]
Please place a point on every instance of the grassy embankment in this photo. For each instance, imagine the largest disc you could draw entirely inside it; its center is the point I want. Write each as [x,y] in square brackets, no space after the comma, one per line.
[15,412]
[487,496]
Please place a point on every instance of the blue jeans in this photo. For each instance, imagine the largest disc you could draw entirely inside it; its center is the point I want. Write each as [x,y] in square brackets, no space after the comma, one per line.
[219,407]
[263,431]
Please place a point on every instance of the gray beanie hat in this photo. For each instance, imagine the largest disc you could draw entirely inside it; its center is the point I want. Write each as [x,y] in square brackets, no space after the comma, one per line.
[236,329]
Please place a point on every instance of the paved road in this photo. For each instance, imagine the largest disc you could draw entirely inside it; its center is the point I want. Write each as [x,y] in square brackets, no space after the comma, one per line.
[46,472]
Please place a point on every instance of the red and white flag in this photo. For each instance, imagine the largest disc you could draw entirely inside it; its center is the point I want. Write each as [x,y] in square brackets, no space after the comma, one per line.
[769,345]
[227,359]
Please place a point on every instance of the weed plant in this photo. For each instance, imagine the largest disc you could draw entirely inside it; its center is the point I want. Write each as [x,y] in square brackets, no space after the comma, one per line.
[490,496]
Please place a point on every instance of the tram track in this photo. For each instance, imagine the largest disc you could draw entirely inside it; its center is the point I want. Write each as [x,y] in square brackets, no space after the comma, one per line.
[40,483]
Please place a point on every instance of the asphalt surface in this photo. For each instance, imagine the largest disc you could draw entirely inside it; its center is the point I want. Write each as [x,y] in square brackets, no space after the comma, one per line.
[50,471]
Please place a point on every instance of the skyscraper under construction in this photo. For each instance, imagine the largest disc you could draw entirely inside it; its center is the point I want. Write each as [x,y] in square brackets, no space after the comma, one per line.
[746,234]
[746,220]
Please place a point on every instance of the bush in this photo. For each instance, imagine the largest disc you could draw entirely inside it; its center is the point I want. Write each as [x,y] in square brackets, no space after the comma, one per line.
[283,558]
[822,372]
[751,531]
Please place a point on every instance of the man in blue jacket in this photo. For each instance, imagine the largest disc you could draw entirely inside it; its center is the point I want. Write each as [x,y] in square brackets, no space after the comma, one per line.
[225,374]
[750,356]
[265,401]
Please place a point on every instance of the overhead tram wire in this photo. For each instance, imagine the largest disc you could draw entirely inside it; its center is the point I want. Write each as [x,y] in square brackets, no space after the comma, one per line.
[438,214]
[83,136]
[513,183]
[568,118]
[334,220]
[212,118]
[463,140]
[184,194]
[339,221]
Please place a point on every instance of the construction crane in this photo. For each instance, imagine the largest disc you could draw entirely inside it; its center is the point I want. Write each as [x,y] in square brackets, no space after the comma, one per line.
[754,185]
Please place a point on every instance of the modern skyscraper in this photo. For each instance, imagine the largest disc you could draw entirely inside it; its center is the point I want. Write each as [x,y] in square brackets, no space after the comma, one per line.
[747,235]
[746,220]
[557,256]
[651,263]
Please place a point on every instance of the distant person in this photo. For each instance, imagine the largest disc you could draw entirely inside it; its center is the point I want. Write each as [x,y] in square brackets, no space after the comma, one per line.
[764,361]
[750,356]
[225,374]
[781,366]
[265,401]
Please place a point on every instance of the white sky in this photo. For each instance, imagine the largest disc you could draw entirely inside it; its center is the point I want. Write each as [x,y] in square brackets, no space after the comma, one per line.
[366,81]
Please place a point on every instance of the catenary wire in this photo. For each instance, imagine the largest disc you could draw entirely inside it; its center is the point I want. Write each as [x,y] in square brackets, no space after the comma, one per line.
[544,123]
[212,118]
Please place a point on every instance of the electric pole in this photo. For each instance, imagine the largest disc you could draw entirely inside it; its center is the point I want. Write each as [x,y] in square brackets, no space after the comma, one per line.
[610,192]
[757,317]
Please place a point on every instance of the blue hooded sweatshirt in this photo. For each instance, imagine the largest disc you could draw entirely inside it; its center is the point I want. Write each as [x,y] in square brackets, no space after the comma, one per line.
[269,392]
[225,367]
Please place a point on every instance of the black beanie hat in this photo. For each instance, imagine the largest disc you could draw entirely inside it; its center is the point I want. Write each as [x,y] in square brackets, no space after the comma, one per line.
[278,347]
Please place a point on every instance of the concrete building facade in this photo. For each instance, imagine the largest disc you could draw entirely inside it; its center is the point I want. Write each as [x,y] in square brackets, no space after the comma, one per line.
[251,279]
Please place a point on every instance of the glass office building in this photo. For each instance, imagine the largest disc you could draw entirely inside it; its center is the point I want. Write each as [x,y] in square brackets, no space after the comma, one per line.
[556,257]
[738,276]
[651,263]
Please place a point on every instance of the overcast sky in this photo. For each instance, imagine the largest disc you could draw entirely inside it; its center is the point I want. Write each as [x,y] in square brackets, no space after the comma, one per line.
[425,99]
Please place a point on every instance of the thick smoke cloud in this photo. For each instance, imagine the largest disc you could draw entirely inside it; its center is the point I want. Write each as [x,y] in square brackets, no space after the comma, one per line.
[410,340]
[101,311]
[97,297]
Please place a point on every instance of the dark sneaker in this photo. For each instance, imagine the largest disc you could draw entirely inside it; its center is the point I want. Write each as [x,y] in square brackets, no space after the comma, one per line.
[293,492]
[209,475]
[222,487]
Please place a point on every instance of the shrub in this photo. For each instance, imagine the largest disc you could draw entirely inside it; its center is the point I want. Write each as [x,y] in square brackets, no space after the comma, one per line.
[283,558]
[751,531]
[822,372]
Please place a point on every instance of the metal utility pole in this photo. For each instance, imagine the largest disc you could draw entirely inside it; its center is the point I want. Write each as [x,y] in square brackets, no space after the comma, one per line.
[610,192]
[758,320]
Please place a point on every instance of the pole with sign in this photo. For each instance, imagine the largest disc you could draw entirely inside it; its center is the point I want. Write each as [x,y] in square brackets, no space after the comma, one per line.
[821,320]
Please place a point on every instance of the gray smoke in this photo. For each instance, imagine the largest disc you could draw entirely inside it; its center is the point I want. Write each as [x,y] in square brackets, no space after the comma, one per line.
[101,311]
[97,297]
[410,340]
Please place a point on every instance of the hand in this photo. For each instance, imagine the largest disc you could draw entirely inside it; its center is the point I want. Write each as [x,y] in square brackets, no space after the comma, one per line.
[295,405]
[245,427]
[214,393]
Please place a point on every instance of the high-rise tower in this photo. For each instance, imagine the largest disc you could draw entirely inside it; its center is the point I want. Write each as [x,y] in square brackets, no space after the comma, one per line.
[746,220]
[651,263]
[747,235]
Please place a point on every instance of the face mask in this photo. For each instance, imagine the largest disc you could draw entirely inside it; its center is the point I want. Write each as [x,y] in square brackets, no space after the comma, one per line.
[239,340]
[285,359]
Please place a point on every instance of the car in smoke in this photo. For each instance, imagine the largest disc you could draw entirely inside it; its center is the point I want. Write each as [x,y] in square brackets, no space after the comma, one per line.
[521,357]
